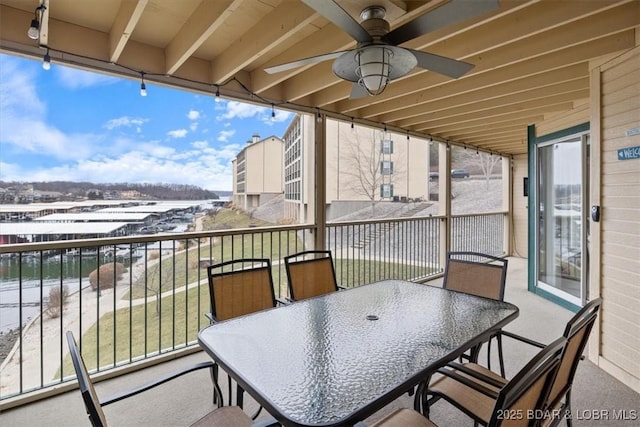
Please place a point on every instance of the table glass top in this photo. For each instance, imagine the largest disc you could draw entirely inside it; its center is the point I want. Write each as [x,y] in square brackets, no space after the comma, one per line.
[319,360]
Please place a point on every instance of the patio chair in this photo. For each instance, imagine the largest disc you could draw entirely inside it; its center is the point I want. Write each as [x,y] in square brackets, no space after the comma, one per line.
[577,332]
[482,275]
[236,288]
[558,404]
[516,402]
[310,274]
[228,416]
[240,287]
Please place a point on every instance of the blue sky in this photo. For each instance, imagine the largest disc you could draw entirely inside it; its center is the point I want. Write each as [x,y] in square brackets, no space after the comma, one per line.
[72,125]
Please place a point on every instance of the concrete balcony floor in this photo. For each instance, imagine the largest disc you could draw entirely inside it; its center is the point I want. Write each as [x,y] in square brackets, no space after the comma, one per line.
[181,402]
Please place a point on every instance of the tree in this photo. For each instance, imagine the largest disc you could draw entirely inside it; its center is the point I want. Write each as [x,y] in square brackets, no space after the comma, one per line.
[486,162]
[364,157]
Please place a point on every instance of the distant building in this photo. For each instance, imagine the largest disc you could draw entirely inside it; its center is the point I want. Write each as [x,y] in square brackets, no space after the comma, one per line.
[257,172]
[363,166]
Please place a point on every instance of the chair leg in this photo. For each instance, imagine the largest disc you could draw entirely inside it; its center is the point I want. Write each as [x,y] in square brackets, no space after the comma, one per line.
[217,392]
[474,353]
[500,358]
[417,400]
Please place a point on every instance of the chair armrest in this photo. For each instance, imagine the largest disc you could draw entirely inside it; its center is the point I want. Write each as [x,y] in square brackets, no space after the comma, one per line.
[522,339]
[477,375]
[210,317]
[468,382]
[168,377]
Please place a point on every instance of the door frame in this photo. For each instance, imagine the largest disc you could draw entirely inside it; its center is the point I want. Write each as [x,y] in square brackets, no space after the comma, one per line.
[533,142]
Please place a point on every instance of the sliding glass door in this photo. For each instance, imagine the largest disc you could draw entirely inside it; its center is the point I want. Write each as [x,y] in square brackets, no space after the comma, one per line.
[562,222]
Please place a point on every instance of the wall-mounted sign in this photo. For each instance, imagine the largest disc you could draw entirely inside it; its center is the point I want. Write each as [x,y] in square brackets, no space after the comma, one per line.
[629,153]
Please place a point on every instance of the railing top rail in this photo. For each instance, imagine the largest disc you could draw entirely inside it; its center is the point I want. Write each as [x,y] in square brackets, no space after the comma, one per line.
[408,219]
[480,214]
[125,240]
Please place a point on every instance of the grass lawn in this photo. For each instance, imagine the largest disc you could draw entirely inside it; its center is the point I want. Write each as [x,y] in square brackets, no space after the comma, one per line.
[163,324]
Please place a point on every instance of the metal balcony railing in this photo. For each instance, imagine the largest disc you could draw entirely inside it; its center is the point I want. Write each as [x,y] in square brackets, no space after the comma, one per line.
[129,299]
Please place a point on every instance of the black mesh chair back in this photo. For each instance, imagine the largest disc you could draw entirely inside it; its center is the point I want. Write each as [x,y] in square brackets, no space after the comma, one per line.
[310,274]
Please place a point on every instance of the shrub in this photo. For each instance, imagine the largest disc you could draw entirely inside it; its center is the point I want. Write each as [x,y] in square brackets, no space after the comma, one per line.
[106,275]
[57,300]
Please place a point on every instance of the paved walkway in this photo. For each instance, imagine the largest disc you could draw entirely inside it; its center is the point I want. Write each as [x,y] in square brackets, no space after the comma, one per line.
[43,343]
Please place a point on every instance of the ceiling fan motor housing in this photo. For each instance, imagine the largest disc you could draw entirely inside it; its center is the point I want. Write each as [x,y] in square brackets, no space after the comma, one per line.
[374,22]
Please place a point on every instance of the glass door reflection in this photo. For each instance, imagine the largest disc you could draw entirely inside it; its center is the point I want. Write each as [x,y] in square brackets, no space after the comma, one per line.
[561,235]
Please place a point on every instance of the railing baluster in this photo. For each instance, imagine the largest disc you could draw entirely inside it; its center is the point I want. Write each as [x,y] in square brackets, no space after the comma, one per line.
[364,251]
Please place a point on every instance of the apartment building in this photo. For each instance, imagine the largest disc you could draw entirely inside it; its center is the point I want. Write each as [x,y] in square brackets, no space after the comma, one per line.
[257,172]
[364,166]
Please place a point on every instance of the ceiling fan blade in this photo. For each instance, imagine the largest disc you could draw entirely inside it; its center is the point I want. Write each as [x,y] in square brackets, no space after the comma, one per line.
[448,14]
[301,62]
[334,13]
[441,64]
[357,91]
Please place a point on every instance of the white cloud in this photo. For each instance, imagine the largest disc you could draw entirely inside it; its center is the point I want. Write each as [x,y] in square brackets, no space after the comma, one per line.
[125,121]
[200,145]
[73,78]
[193,114]
[239,110]
[211,171]
[155,150]
[18,91]
[178,133]
[224,135]
[281,116]
[22,118]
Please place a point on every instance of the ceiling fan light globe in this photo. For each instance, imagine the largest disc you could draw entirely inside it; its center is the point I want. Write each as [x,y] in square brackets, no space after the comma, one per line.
[373,68]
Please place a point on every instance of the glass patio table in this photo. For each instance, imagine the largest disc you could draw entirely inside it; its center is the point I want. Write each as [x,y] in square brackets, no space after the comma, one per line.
[336,359]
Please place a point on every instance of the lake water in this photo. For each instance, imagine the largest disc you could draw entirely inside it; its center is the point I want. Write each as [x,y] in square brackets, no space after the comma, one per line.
[58,270]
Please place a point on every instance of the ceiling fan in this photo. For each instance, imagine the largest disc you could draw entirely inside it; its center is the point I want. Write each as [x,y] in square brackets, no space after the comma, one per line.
[378,59]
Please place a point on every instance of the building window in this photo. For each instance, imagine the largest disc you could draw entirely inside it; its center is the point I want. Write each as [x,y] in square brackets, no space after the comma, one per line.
[386,191]
[386,167]
[386,146]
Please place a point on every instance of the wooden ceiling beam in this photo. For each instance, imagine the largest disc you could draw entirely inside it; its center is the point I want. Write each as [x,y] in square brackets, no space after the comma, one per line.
[535,98]
[125,22]
[407,116]
[276,26]
[203,22]
[523,117]
[579,32]
[557,59]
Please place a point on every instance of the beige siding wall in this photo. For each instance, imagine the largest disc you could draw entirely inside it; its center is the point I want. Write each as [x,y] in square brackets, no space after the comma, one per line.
[264,166]
[557,122]
[520,224]
[410,171]
[615,119]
